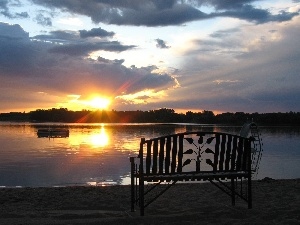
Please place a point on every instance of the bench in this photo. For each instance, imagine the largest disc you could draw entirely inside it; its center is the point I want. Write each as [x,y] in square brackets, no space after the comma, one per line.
[220,158]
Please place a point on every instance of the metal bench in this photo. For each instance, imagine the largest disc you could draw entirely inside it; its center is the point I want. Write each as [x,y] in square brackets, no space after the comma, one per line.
[220,158]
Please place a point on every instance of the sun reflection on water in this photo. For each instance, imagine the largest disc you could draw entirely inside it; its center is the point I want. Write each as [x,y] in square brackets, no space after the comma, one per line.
[99,139]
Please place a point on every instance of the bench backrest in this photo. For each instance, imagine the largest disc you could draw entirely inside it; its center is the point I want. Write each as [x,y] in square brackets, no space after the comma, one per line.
[195,152]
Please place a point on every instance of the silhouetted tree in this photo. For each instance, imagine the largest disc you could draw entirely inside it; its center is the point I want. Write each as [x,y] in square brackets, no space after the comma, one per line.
[163,115]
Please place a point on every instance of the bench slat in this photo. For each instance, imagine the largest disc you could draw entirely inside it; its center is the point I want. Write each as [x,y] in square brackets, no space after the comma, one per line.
[148,157]
[174,155]
[233,155]
[228,152]
[168,150]
[216,155]
[161,154]
[240,154]
[180,154]
[222,153]
[155,153]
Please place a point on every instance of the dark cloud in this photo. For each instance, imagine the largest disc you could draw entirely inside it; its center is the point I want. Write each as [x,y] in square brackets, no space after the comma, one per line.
[71,44]
[17,54]
[248,12]
[146,12]
[223,5]
[284,16]
[115,61]
[68,35]
[164,13]
[132,80]
[224,33]
[82,49]
[22,15]
[149,68]
[4,10]
[60,36]
[161,44]
[95,32]
[12,31]
[163,4]
[42,20]
[3,4]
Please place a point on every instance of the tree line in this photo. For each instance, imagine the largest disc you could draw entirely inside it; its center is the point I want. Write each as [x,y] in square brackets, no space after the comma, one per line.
[162,115]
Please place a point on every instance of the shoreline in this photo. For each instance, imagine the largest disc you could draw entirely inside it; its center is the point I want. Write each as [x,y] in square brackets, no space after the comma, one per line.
[274,202]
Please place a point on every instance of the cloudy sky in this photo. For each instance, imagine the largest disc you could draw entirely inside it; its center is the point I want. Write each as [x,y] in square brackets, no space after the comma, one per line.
[223,56]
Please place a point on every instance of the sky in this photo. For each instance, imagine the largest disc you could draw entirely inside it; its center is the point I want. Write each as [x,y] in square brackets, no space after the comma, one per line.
[187,55]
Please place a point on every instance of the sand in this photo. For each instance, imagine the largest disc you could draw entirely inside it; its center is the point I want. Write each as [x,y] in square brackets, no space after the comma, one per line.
[274,202]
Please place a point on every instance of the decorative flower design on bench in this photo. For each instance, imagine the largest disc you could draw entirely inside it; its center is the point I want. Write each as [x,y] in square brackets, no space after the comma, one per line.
[201,147]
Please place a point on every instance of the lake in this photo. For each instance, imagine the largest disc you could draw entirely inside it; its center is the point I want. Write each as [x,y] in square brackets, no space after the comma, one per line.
[98,154]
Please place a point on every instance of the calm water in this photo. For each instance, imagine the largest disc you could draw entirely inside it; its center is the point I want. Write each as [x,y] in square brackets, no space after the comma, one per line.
[99,153]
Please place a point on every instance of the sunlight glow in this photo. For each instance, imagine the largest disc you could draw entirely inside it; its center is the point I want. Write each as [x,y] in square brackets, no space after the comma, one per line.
[99,103]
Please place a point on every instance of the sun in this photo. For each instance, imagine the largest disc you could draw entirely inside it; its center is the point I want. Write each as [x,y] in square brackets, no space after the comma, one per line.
[99,102]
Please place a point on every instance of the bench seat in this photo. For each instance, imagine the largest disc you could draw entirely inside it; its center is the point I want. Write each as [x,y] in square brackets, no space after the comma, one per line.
[194,176]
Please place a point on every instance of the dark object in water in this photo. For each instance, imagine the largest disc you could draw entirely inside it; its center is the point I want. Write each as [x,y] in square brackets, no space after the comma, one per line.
[53,133]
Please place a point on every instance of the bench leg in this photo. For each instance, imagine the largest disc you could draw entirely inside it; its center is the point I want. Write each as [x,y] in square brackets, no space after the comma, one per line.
[132,184]
[249,192]
[232,191]
[142,204]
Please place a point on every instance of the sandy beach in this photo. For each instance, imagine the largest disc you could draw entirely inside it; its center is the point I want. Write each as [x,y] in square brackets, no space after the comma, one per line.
[274,202]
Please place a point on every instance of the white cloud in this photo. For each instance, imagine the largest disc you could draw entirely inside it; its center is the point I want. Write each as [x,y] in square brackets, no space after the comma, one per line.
[71,21]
